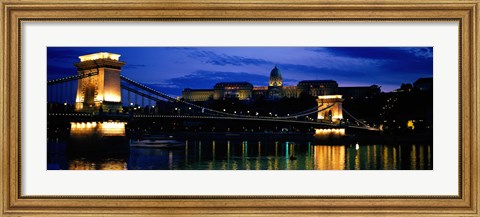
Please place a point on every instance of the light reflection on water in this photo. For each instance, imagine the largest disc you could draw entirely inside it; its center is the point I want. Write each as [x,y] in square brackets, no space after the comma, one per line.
[107,164]
[252,155]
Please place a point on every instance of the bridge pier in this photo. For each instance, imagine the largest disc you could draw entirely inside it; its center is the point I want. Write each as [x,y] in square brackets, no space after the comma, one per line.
[101,128]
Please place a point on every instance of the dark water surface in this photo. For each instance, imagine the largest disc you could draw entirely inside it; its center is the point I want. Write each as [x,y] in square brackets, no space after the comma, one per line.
[238,155]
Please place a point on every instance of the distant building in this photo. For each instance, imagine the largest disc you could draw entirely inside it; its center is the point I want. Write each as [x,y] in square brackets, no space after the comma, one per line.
[423,84]
[275,90]
[405,87]
[358,92]
[197,94]
[318,87]
[261,91]
[291,91]
[232,90]
[275,86]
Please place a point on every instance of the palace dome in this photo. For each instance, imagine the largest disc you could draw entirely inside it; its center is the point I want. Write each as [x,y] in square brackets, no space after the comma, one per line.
[275,77]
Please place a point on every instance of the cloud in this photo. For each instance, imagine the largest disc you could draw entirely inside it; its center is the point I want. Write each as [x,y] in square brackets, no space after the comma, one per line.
[206,80]
[161,84]
[425,52]
[308,71]
[378,52]
[224,60]
[134,66]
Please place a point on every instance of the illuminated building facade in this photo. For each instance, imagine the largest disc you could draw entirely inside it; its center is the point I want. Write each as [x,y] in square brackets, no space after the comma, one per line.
[275,86]
[197,94]
[232,90]
[101,90]
[318,87]
[275,89]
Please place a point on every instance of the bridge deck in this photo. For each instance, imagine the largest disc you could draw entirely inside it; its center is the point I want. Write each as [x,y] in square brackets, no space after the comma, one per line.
[82,116]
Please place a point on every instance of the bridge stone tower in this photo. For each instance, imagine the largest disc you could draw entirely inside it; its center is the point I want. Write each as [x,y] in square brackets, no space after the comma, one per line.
[101,90]
[332,114]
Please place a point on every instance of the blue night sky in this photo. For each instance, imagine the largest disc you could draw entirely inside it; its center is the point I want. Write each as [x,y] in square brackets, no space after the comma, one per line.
[171,69]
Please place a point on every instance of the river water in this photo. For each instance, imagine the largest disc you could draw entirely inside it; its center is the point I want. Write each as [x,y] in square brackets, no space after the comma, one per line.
[208,154]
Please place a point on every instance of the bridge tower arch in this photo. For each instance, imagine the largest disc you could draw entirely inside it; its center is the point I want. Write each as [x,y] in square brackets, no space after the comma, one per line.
[327,112]
[101,90]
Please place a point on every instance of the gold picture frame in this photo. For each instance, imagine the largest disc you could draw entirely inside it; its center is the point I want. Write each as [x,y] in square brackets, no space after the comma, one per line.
[15,12]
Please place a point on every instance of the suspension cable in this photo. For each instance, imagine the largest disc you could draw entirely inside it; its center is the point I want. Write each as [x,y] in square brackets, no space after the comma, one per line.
[70,78]
[163,95]
[355,118]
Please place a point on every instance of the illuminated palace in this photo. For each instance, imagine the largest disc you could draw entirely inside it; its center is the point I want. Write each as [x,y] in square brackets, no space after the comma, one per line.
[276,90]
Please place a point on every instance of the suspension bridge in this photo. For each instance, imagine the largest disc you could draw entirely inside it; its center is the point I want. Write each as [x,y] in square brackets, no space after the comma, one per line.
[99,91]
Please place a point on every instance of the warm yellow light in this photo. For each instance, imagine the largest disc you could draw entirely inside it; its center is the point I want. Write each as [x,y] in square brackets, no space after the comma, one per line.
[113,165]
[84,128]
[98,97]
[81,164]
[101,55]
[110,97]
[336,117]
[410,125]
[322,132]
[330,97]
[103,128]
[112,128]
[329,157]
